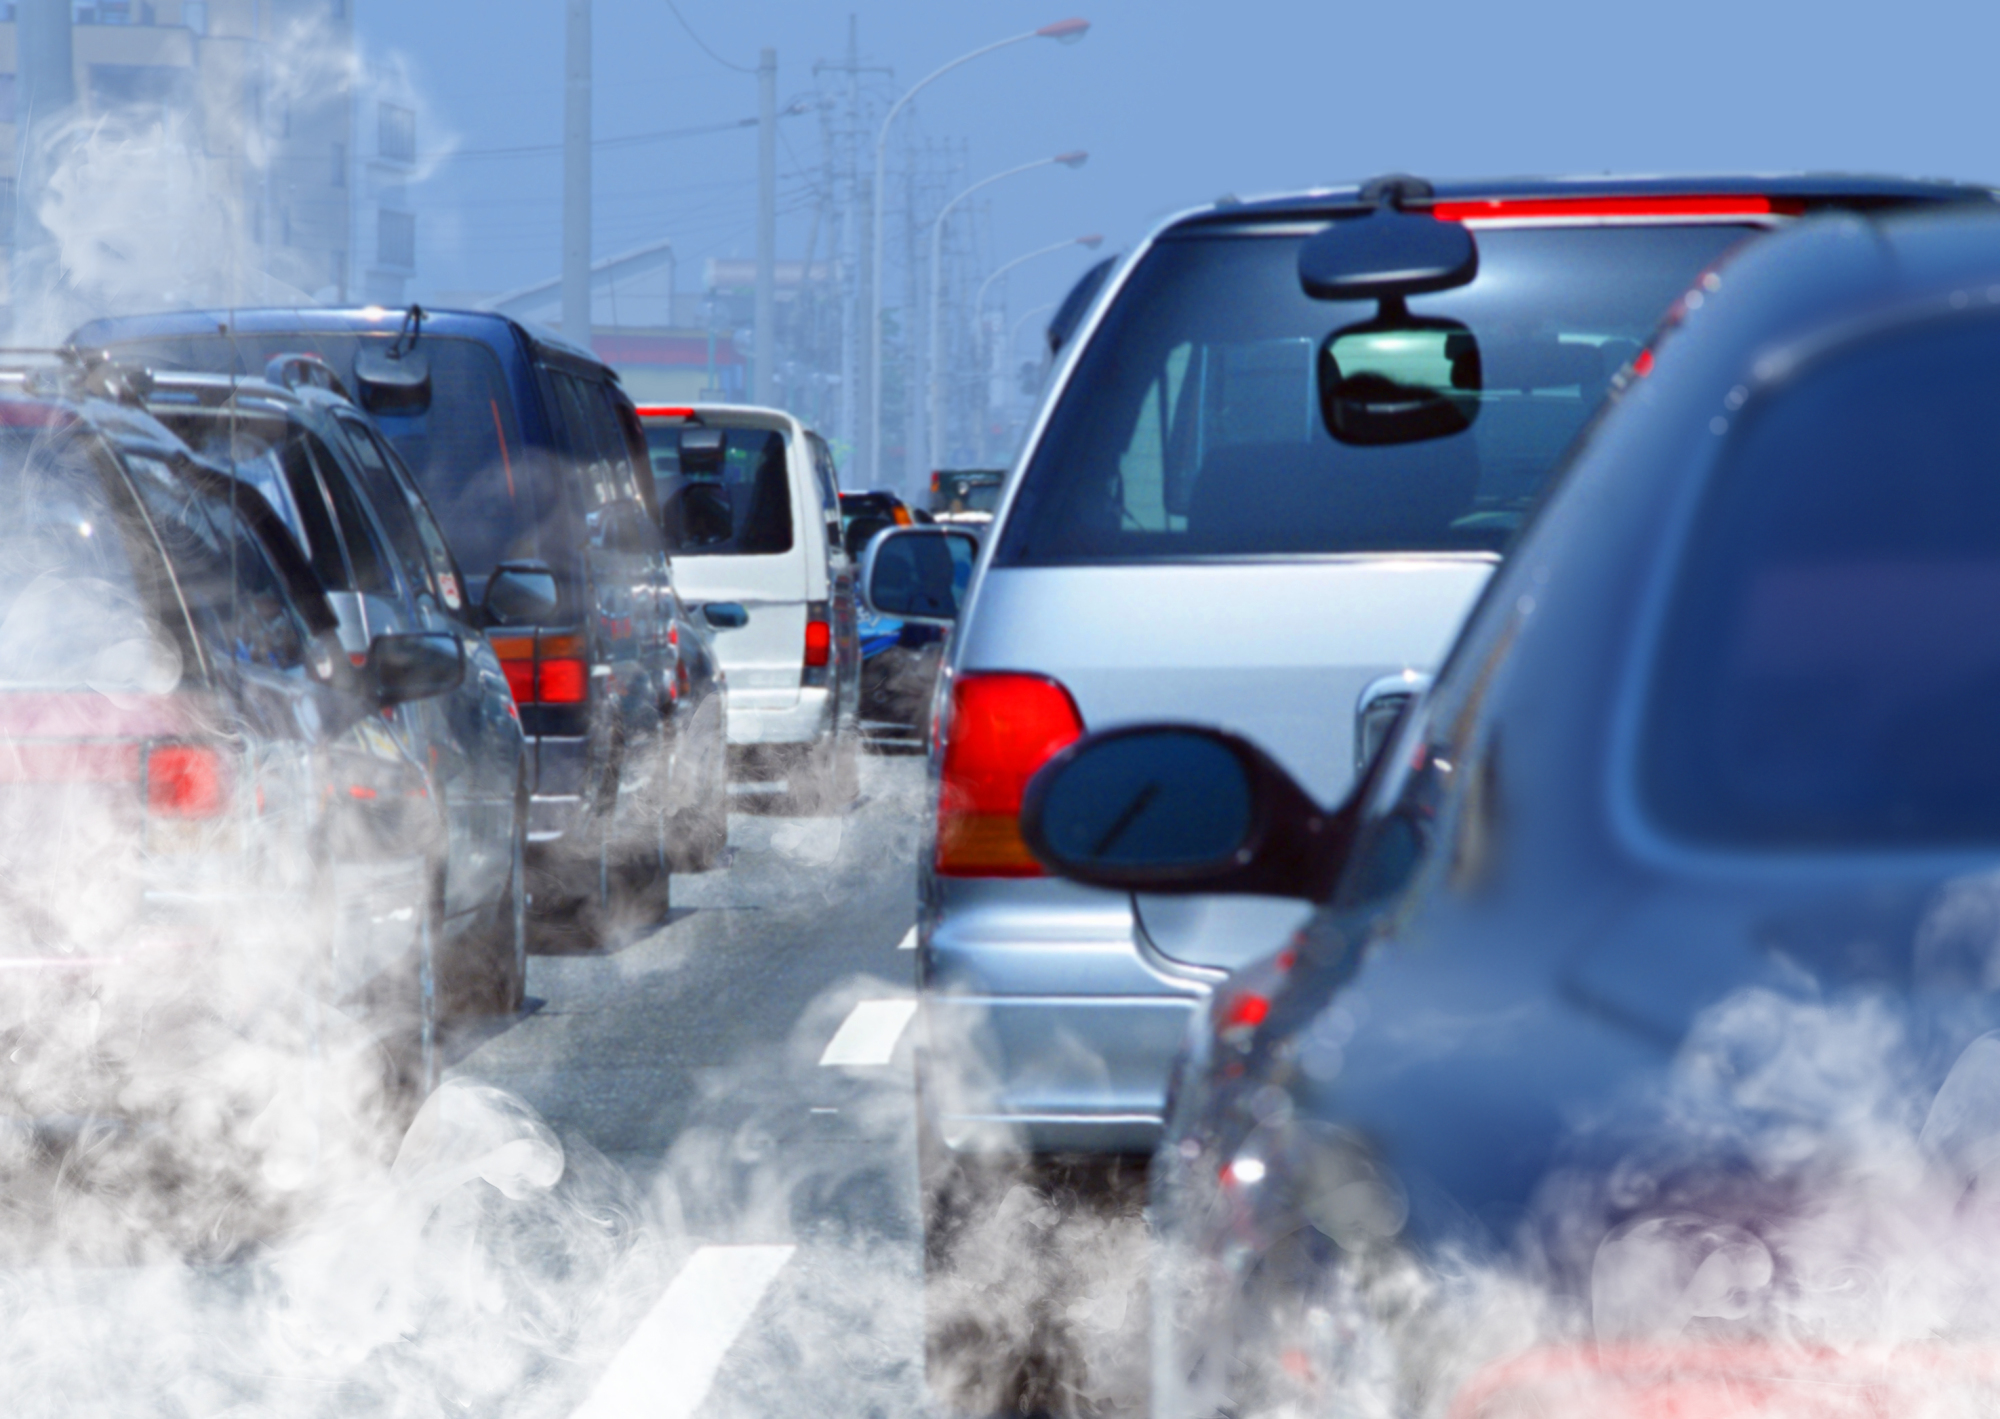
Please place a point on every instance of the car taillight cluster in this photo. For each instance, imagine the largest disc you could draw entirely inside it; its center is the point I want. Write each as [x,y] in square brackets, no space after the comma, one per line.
[819,643]
[545,669]
[185,781]
[1002,728]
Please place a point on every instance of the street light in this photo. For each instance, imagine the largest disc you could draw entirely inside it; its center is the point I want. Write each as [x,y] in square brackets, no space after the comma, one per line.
[1068,160]
[1062,32]
[1091,242]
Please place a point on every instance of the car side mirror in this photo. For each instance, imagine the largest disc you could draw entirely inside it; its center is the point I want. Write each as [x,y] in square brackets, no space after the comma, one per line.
[1179,810]
[521,594]
[414,666]
[918,574]
[726,615]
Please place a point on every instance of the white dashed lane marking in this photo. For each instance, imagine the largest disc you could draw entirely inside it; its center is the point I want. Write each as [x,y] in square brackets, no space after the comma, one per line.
[666,1368]
[869,1033]
[909,941]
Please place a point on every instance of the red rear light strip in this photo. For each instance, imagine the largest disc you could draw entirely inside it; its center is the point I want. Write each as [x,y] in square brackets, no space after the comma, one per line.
[1714,207]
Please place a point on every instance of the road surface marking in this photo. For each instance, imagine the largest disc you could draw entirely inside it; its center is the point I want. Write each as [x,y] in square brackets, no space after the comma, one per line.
[664,1371]
[869,1033]
[909,941]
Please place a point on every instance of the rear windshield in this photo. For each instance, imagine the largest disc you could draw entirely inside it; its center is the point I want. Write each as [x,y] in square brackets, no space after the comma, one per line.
[742,508]
[966,494]
[465,451]
[1191,427]
[1830,672]
[75,613]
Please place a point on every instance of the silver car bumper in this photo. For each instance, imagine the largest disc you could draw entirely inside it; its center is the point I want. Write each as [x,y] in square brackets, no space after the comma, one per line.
[1048,1024]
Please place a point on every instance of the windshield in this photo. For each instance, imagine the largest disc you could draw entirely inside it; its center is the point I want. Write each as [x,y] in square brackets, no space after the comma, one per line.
[739,504]
[1191,427]
[464,451]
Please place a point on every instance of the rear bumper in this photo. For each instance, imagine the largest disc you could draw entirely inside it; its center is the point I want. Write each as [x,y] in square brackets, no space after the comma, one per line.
[1048,1027]
[805,722]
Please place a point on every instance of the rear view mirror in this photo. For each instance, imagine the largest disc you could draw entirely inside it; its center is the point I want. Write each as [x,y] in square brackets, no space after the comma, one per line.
[918,573]
[393,382]
[1180,809]
[521,594]
[402,668]
[1399,380]
[726,615]
[701,450]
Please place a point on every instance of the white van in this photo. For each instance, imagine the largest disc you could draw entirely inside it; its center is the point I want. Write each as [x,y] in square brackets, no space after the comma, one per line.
[751,511]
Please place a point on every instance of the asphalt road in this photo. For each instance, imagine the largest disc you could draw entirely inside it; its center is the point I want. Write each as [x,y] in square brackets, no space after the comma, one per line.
[736,1082]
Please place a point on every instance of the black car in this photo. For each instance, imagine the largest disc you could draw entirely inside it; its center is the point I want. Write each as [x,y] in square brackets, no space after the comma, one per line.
[529,452]
[385,566]
[899,659]
[1643,1044]
[215,855]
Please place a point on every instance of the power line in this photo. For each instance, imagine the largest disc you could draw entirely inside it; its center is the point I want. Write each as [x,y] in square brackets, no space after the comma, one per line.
[739,68]
[628,140]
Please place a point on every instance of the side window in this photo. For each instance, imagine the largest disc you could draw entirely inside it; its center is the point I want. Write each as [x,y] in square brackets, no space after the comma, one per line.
[592,439]
[235,598]
[372,576]
[411,528]
[829,486]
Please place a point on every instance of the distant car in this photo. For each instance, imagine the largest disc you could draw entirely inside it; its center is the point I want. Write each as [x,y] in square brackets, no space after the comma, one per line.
[899,659]
[969,495]
[751,511]
[371,539]
[1653,961]
[533,460]
[198,792]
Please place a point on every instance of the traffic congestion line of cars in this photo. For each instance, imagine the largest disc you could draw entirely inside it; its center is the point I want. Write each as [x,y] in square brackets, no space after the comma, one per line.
[1313,426]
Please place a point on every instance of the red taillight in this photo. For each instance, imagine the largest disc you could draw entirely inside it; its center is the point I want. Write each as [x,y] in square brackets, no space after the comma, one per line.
[549,670]
[1246,1011]
[819,643]
[185,781]
[1003,727]
[1713,207]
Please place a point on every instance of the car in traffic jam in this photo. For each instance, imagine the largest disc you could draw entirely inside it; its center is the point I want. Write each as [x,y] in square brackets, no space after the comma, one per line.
[661,774]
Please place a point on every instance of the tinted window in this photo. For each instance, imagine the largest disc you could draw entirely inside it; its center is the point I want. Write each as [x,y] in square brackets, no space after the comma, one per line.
[1830,671]
[414,533]
[465,451]
[78,577]
[364,553]
[1192,429]
[743,507]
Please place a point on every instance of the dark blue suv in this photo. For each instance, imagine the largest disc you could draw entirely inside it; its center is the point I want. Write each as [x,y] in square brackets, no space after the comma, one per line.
[526,449]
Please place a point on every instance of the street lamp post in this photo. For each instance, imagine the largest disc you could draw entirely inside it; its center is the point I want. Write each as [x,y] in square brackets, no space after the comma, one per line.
[1063,32]
[936,327]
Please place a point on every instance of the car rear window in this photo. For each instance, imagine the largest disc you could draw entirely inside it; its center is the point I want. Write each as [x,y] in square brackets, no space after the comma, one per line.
[464,451]
[1829,673]
[743,508]
[1191,426]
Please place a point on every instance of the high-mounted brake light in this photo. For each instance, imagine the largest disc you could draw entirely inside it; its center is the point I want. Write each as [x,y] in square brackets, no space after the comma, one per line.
[1711,207]
[1002,728]
[185,781]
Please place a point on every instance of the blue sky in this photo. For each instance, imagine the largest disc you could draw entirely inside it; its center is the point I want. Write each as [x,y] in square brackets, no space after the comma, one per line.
[1177,101]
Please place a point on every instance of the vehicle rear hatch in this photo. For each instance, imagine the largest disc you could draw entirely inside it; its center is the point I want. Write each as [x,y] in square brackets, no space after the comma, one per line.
[1191,539]
[728,506]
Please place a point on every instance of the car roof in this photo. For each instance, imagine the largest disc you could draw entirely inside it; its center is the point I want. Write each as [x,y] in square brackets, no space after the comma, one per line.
[1845,190]
[358,320]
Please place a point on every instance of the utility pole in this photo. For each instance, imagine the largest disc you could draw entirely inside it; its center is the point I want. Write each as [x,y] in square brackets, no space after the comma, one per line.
[765,387]
[45,95]
[576,176]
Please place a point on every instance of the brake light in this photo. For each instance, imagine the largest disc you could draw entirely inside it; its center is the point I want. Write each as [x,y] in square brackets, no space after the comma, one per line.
[1716,206]
[185,781]
[819,643]
[548,670]
[1003,727]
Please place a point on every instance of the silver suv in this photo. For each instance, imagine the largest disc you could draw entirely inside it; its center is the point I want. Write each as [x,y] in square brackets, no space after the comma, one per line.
[1278,461]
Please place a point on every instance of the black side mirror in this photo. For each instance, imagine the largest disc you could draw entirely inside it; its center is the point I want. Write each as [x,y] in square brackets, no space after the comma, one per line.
[918,573]
[1180,809]
[521,594]
[415,666]
[726,615]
